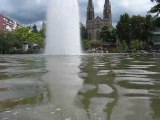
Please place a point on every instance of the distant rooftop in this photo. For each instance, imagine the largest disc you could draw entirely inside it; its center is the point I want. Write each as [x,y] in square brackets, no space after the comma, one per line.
[11,19]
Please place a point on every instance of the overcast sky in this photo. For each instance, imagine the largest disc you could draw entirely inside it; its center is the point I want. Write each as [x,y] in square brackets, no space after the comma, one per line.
[34,11]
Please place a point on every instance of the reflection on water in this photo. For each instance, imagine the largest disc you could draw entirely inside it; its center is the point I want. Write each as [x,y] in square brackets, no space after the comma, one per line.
[90,87]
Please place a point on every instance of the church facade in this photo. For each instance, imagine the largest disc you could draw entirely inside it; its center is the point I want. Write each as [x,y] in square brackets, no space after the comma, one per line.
[95,24]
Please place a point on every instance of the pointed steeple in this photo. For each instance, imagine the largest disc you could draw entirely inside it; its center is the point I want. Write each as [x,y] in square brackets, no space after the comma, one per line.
[90,10]
[106,1]
[107,10]
[90,3]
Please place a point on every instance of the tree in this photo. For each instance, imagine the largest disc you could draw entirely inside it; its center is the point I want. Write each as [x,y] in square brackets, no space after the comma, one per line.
[43,30]
[15,39]
[157,22]
[34,28]
[8,40]
[114,35]
[122,47]
[124,29]
[22,33]
[141,27]
[25,34]
[156,8]
[135,27]
[35,38]
[95,43]
[137,45]
[86,44]
[148,28]
[108,35]
[83,32]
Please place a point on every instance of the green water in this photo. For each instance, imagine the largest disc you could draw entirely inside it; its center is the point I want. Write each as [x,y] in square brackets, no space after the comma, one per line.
[88,87]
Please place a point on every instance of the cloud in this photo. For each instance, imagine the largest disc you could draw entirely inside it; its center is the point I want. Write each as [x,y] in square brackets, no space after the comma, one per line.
[32,11]
[25,11]
[133,7]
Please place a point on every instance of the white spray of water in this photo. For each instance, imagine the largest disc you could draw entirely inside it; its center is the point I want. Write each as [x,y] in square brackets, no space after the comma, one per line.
[63,28]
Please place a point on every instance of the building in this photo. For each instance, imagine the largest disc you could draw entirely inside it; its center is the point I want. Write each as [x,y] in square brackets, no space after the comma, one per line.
[25,46]
[95,24]
[156,39]
[7,24]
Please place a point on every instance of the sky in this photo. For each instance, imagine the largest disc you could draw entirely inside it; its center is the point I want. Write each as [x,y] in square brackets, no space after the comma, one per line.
[34,11]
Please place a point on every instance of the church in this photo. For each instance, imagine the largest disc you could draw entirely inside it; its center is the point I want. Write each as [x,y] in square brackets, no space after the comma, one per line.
[95,24]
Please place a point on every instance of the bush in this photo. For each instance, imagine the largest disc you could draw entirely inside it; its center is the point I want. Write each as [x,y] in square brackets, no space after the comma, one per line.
[88,44]
[96,43]
[85,44]
[137,45]
[122,47]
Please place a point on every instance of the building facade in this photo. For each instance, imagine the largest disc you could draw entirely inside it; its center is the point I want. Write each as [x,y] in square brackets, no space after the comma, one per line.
[95,24]
[7,24]
[156,39]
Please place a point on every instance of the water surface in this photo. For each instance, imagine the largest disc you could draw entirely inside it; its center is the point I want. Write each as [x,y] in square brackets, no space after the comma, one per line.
[89,87]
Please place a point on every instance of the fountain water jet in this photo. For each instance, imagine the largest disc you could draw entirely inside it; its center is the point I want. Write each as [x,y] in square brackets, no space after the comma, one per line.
[63,28]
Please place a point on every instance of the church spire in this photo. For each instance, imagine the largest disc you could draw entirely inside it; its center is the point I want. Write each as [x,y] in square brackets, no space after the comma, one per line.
[106,1]
[90,3]
[90,10]
[107,10]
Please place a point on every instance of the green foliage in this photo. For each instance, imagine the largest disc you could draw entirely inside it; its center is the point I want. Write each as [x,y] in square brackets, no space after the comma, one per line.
[156,8]
[108,35]
[148,28]
[135,27]
[34,28]
[86,44]
[122,47]
[83,32]
[114,35]
[7,41]
[124,28]
[105,34]
[25,34]
[15,39]
[137,45]
[141,27]
[157,22]
[95,43]
[43,31]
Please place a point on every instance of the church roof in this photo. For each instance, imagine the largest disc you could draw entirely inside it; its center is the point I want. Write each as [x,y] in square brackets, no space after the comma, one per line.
[98,18]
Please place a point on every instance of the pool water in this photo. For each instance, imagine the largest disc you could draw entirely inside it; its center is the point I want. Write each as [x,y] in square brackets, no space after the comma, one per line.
[87,87]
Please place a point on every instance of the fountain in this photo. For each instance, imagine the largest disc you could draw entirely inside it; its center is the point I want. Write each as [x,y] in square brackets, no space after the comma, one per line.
[63,28]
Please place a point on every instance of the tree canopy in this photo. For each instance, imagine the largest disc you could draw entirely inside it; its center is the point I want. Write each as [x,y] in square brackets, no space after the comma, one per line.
[108,35]
[83,31]
[135,27]
[15,39]
[124,28]
[156,8]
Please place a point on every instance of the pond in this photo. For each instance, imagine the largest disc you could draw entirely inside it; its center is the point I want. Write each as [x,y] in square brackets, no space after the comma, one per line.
[87,87]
